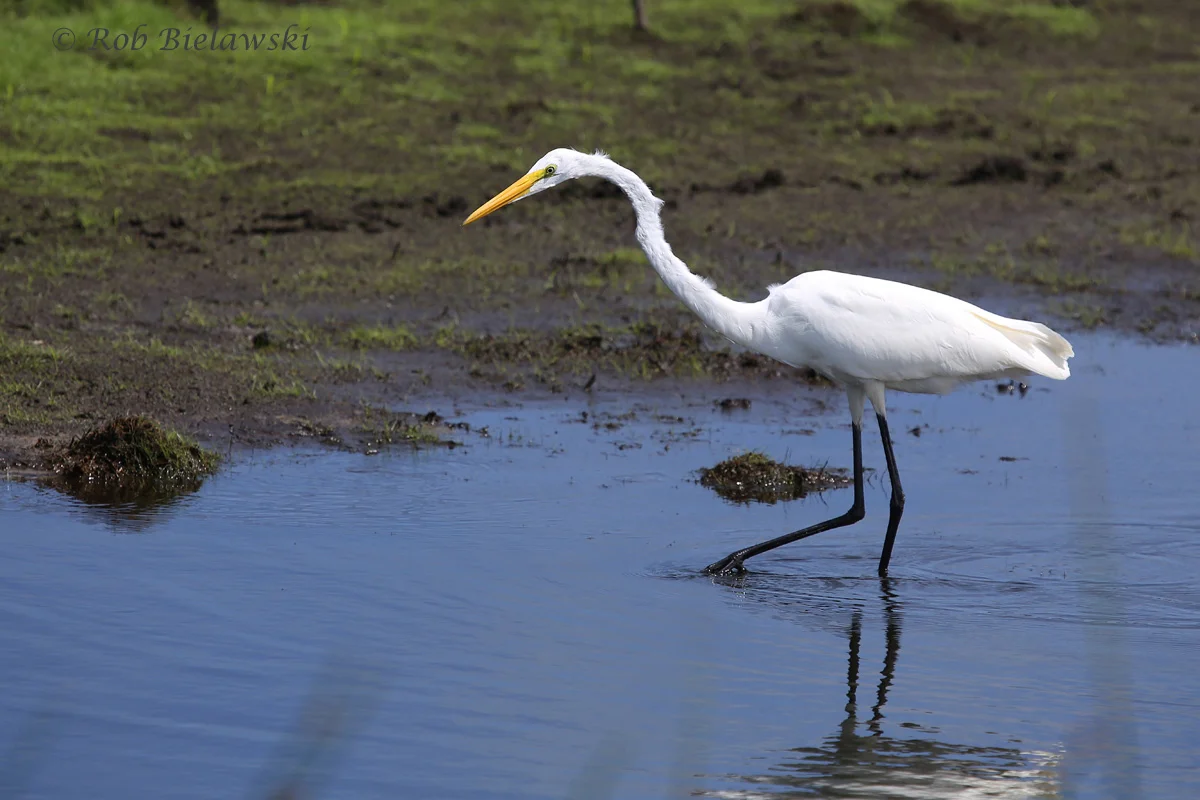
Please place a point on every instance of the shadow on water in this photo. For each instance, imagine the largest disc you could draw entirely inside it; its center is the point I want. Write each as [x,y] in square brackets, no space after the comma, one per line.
[344,694]
[866,758]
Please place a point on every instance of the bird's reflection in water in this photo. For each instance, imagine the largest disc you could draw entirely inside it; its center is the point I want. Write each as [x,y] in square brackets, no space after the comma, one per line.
[867,758]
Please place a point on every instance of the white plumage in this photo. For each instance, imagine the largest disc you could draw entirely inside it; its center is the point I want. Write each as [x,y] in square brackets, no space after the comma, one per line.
[865,334]
[856,329]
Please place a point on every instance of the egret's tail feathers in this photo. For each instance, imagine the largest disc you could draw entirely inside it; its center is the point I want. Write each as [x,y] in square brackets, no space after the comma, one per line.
[1046,352]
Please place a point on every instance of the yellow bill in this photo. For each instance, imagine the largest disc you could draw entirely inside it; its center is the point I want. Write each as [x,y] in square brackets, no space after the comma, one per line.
[514,192]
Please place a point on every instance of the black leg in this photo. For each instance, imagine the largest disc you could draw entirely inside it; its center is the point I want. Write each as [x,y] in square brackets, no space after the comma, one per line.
[732,563]
[897,505]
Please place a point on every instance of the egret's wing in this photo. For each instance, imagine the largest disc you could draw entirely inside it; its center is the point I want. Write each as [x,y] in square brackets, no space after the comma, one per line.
[877,330]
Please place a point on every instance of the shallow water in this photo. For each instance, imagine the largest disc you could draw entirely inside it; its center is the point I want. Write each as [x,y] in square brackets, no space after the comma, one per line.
[523,617]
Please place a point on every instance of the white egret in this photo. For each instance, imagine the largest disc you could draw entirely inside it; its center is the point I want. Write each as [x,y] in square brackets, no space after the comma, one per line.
[865,334]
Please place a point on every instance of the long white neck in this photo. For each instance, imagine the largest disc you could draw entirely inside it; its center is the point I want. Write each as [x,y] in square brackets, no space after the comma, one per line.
[738,322]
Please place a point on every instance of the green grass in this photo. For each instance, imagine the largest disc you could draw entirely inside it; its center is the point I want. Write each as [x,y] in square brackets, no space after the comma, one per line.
[268,385]
[1059,20]
[87,123]
[17,354]
[192,315]
[380,337]
[383,427]
[30,399]
[1087,315]
[886,115]
[80,122]
[1175,241]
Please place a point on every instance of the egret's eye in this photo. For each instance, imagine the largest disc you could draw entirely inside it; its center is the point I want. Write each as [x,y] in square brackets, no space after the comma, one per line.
[549,171]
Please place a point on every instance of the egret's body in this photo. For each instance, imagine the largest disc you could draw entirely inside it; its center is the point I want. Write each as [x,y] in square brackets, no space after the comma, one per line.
[865,334]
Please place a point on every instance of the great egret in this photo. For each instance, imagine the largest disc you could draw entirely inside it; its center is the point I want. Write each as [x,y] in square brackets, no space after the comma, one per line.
[864,334]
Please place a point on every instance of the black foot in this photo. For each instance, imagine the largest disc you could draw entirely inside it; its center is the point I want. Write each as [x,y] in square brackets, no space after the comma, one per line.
[729,565]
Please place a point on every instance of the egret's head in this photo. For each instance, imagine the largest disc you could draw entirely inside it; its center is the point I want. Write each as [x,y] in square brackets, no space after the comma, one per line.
[550,170]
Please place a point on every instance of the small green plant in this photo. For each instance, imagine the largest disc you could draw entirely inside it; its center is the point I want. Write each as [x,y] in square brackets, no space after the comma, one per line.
[383,427]
[380,337]
[1176,242]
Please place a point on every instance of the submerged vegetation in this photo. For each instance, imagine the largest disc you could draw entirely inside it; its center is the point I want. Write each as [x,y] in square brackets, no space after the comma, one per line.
[753,477]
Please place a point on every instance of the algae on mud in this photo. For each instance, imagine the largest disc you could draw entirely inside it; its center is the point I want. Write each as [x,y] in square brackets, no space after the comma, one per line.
[755,477]
[245,238]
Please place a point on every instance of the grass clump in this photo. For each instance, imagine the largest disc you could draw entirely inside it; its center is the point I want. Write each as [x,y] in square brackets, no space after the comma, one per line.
[133,453]
[384,428]
[380,337]
[1059,19]
[755,477]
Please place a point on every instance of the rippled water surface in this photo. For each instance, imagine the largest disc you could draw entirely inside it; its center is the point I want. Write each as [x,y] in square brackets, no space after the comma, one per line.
[523,617]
